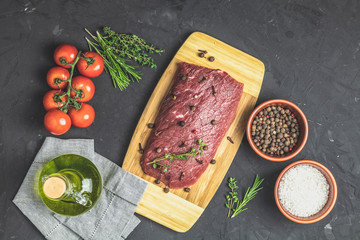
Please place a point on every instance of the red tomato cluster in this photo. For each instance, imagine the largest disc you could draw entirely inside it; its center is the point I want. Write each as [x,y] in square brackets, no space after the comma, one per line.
[61,114]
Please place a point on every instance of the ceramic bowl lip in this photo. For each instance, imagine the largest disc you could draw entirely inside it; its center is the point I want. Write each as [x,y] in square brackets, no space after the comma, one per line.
[332,184]
[303,120]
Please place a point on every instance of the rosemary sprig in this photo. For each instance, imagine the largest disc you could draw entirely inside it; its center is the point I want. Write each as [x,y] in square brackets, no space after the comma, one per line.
[117,50]
[232,198]
[183,156]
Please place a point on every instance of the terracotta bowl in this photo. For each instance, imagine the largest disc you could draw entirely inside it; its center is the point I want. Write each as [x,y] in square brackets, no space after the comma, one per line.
[303,124]
[328,206]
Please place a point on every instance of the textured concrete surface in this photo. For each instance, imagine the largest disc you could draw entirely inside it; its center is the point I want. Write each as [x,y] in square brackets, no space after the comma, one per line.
[311,53]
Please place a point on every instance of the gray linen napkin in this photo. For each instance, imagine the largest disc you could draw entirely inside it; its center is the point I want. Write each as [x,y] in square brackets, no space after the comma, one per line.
[113,215]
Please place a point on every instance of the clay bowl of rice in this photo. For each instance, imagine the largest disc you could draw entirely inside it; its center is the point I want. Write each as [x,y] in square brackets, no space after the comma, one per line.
[305,192]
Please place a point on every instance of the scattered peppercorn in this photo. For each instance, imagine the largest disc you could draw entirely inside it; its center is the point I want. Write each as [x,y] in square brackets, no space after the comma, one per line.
[158,150]
[213,91]
[199,161]
[201,55]
[151,125]
[230,140]
[166,190]
[276,134]
[203,79]
[187,189]
[182,123]
[157,133]
[213,122]
[141,150]
[211,59]
[173,96]
[205,148]
[203,51]
[157,181]
[183,77]
[192,108]
[181,176]
[213,161]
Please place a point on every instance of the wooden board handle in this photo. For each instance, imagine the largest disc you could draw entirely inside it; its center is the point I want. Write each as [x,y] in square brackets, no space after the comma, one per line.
[164,208]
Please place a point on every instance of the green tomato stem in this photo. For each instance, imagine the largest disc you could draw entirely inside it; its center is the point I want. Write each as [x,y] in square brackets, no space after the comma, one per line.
[66,106]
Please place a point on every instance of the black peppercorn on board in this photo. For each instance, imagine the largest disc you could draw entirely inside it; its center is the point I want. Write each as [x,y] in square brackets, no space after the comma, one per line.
[178,209]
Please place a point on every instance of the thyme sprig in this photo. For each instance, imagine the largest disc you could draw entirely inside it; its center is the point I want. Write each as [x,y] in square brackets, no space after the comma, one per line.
[232,198]
[117,50]
[132,47]
[183,156]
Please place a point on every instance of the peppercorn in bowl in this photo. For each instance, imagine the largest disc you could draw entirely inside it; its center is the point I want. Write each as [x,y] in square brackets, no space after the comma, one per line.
[277,130]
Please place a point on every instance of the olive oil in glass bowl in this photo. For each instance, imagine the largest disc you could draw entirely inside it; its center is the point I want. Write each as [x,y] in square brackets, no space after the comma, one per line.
[70,185]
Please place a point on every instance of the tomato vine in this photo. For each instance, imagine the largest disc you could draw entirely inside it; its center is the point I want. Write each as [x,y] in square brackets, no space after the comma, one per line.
[70,101]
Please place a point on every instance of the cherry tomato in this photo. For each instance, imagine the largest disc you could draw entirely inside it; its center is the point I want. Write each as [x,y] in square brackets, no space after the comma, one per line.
[52,99]
[57,122]
[65,52]
[93,68]
[86,86]
[83,117]
[56,74]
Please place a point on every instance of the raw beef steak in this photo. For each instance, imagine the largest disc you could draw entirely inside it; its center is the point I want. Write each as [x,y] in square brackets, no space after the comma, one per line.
[201,104]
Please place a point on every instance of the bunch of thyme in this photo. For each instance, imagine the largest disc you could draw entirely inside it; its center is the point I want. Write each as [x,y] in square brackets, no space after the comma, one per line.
[183,156]
[231,198]
[117,50]
[132,47]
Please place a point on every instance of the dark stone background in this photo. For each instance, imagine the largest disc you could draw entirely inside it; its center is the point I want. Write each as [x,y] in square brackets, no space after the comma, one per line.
[311,53]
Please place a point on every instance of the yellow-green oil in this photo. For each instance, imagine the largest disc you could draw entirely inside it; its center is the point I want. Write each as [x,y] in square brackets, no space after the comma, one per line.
[83,177]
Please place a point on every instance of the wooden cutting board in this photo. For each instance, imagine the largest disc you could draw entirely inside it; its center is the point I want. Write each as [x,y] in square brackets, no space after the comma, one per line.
[179,210]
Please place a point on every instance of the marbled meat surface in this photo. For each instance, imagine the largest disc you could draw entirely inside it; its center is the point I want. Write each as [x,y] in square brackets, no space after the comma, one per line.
[198,96]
